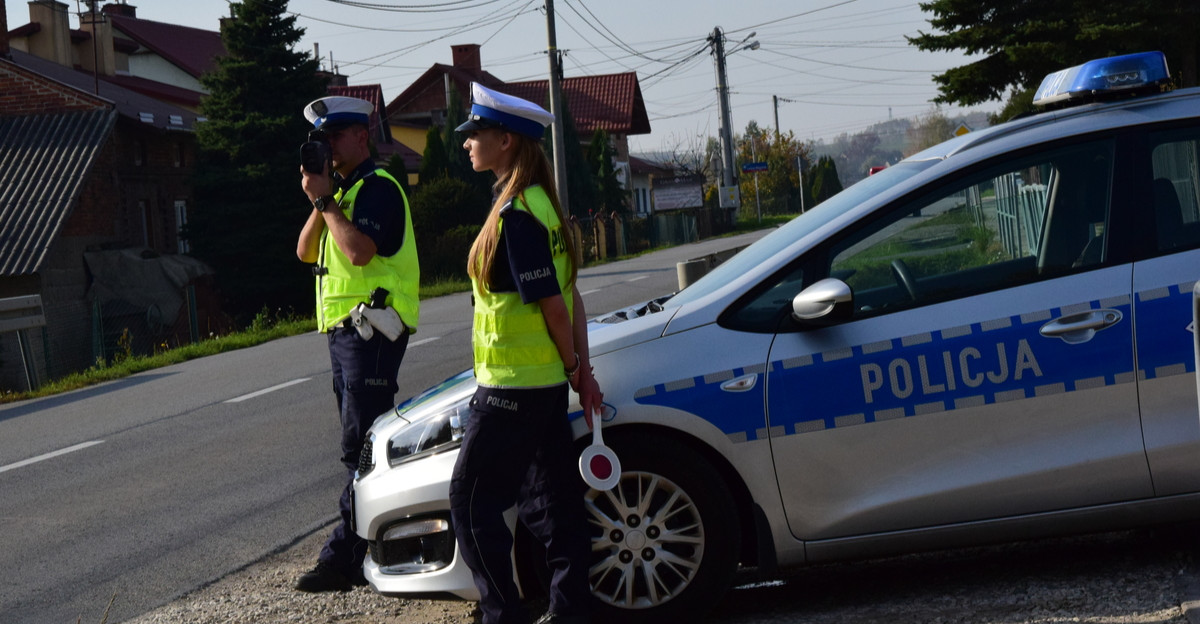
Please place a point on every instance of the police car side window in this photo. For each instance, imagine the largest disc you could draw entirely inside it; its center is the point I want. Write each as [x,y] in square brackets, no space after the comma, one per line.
[1173,194]
[1028,219]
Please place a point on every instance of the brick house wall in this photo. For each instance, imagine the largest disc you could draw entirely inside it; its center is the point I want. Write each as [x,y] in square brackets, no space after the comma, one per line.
[26,93]
[128,200]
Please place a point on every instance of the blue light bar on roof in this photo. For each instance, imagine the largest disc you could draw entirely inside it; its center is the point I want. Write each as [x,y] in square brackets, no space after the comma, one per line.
[1097,78]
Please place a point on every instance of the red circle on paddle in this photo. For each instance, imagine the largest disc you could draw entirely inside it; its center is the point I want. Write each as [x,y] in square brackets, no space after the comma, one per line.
[601,467]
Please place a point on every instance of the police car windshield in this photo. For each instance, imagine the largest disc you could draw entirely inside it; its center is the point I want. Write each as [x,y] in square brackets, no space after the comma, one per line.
[766,248]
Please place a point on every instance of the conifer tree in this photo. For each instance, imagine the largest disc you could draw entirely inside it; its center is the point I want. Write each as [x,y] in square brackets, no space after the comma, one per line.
[457,157]
[825,183]
[581,187]
[611,196]
[435,163]
[249,205]
[1015,44]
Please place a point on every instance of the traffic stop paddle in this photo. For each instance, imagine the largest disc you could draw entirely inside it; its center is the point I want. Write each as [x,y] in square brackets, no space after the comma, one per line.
[598,464]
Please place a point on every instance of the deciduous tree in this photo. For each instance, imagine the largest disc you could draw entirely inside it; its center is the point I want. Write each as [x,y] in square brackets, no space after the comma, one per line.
[779,187]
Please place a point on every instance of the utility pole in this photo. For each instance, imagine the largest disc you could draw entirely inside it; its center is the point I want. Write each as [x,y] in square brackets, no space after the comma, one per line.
[556,128]
[717,41]
[775,99]
[754,157]
[775,103]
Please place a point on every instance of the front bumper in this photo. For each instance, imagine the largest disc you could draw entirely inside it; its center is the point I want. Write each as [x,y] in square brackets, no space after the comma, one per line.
[404,513]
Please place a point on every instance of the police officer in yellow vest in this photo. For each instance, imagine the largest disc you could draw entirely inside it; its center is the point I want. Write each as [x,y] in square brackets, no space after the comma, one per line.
[360,236]
[530,342]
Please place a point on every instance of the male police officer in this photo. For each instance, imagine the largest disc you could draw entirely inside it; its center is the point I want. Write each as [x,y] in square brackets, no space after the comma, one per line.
[360,236]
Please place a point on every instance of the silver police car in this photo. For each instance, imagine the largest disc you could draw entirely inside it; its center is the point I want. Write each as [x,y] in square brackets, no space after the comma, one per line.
[990,340]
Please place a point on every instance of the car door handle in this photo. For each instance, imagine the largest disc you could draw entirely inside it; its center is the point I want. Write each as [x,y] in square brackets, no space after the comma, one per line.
[741,384]
[1078,328]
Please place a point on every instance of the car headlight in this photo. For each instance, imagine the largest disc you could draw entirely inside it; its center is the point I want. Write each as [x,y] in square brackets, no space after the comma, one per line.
[426,435]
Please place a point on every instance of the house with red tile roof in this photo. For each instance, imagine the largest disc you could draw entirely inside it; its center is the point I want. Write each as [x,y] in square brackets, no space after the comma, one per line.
[612,102]
[381,133]
[96,186]
[425,101]
[163,61]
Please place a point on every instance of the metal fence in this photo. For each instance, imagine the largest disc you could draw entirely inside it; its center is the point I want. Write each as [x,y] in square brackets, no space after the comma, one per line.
[1020,209]
[79,335]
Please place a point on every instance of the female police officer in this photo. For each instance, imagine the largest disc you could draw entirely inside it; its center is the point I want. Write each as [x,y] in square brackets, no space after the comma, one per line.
[530,342]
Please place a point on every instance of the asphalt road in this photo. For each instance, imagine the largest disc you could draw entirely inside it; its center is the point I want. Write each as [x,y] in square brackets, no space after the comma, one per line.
[142,489]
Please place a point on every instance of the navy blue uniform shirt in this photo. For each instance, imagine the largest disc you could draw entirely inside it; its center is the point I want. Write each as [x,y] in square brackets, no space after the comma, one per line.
[530,267]
[378,207]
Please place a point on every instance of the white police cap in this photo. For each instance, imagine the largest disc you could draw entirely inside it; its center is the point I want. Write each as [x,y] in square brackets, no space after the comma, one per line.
[338,109]
[492,109]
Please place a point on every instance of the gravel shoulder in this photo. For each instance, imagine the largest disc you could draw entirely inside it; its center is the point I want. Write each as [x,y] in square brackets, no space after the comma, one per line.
[1129,577]
[262,593]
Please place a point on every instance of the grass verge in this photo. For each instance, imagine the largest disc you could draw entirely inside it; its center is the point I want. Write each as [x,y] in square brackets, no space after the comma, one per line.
[263,328]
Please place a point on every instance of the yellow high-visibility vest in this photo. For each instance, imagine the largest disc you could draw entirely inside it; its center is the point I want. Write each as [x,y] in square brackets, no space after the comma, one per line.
[511,342]
[344,285]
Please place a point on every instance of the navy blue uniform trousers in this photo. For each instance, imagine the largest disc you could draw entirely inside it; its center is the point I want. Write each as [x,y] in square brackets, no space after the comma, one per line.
[517,449]
[364,382]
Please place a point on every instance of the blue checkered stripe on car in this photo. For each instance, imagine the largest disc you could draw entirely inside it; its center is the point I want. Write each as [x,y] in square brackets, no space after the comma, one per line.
[997,361]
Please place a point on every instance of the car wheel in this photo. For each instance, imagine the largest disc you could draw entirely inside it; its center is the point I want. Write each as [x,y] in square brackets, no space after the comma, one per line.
[665,540]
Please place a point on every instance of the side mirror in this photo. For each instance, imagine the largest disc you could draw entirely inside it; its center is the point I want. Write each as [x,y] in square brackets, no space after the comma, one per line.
[828,296]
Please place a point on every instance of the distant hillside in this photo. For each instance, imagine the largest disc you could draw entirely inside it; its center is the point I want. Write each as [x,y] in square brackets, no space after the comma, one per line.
[888,142]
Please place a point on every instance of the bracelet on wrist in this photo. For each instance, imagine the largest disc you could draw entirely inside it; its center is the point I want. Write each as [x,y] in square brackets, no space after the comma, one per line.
[574,369]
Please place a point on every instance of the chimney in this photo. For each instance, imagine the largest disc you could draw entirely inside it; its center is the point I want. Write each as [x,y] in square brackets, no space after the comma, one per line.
[4,51]
[97,55]
[53,41]
[121,9]
[466,56]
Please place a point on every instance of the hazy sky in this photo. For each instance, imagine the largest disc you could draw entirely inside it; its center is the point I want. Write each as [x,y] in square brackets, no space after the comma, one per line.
[836,65]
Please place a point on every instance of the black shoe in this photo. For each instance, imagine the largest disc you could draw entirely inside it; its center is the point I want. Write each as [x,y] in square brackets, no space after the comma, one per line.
[551,618]
[324,578]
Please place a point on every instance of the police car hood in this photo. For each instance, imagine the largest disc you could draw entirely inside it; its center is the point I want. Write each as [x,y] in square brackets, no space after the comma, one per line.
[629,326]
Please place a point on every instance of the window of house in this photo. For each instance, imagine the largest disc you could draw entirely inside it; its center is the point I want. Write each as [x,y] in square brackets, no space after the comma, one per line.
[147,218]
[180,223]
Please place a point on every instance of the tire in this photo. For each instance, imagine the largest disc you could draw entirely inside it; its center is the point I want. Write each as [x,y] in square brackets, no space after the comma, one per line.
[665,540]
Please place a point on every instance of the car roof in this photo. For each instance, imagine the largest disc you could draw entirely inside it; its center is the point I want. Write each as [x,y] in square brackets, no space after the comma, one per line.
[1178,104]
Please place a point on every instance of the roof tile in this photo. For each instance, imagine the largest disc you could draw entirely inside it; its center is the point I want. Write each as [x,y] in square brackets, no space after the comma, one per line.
[612,102]
[50,157]
[193,49]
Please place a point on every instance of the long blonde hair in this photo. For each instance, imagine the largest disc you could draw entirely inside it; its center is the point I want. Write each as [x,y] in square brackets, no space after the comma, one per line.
[529,167]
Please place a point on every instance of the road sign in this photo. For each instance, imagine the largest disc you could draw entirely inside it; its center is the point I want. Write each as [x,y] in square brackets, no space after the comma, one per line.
[729,197]
[754,166]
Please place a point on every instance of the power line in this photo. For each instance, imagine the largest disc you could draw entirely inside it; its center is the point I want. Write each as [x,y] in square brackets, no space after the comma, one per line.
[375,28]
[581,36]
[613,39]
[441,7]
[501,15]
[775,22]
